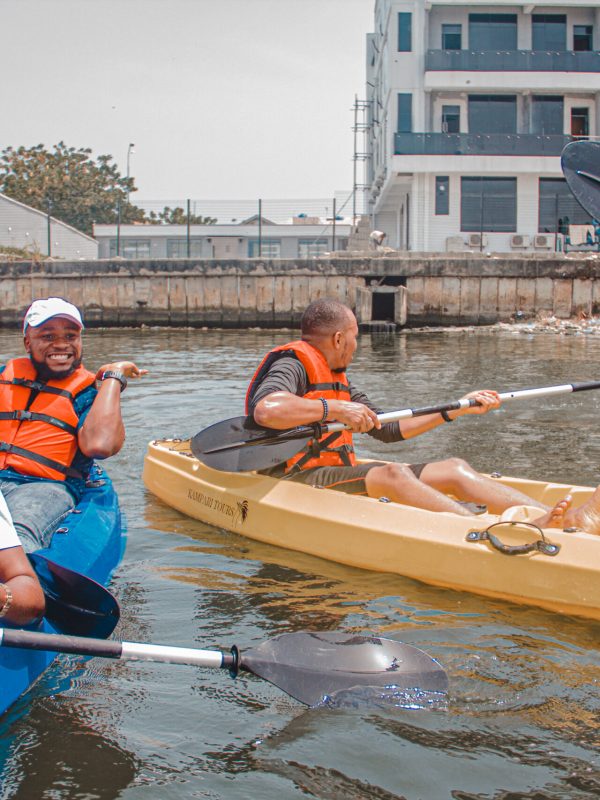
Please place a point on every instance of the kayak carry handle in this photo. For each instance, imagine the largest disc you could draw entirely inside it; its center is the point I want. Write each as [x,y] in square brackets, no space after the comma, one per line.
[541,545]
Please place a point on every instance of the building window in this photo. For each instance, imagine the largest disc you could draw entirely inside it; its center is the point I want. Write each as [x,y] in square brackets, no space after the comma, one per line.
[492,32]
[450,119]
[582,38]
[442,192]
[492,113]
[451,37]
[177,248]
[549,32]
[405,113]
[580,122]
[269,248]
[131,248]
[404,32]
[310,248]
[488,204]
[558,208]
[547,115]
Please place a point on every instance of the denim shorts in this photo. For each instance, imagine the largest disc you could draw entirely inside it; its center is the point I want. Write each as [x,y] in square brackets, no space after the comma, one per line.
[36,507]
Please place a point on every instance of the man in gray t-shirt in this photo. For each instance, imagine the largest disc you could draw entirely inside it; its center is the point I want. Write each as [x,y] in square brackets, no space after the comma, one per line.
[278,399]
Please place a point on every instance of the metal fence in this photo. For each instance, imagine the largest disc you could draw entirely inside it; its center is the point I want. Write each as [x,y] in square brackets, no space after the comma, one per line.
[325,213]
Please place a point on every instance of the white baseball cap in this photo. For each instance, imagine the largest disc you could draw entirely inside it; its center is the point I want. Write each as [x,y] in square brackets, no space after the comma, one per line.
[41,311]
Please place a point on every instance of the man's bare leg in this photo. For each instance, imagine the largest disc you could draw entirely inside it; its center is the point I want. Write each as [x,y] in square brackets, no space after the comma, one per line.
[401,485]
[457,477]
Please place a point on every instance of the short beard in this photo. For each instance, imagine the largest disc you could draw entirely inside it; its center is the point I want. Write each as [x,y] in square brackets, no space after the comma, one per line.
[45,374]
[339,370]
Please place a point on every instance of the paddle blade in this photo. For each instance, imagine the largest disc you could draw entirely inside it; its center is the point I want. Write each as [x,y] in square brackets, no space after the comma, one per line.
[580,163]
[75,604]
[310,666]
[240,445]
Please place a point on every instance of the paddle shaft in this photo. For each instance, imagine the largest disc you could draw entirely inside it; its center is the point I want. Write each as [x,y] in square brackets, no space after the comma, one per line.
[519,394]
[126,651]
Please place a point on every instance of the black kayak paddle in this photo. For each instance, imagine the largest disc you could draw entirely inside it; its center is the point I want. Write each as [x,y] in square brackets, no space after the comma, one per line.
[307,666]
[75,604]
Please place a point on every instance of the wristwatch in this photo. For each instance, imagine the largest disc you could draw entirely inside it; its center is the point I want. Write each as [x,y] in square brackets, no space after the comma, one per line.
[118,376]
[7,600]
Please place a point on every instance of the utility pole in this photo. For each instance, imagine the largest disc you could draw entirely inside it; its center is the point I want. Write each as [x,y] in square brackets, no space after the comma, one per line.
[130,150]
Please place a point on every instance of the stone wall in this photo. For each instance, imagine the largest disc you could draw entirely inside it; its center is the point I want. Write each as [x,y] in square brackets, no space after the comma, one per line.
[441,290]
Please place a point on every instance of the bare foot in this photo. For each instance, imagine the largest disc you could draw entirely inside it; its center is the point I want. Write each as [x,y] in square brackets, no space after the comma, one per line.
[586,517]
[556,517]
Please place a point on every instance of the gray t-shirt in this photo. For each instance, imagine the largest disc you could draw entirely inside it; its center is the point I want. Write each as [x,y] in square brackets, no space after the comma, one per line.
[287,374]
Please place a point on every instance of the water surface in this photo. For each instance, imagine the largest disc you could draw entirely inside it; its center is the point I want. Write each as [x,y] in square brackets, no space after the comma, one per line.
[521,719]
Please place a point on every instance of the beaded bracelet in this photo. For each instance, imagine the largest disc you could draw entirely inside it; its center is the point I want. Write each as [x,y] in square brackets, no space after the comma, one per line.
[7,601]
[325,409]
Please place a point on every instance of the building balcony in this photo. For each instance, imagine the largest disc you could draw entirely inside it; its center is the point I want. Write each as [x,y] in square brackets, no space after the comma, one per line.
[479,144]
[511,61]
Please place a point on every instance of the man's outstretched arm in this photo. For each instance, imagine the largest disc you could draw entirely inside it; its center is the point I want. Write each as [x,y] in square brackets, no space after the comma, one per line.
[102,434]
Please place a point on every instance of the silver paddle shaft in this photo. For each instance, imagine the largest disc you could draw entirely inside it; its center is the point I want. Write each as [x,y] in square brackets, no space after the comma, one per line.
[520,394]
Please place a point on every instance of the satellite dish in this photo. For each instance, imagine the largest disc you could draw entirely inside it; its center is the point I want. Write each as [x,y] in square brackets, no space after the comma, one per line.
[580,162]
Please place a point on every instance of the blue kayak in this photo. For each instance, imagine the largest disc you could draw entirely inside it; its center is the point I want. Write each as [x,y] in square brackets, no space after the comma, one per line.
[91,541]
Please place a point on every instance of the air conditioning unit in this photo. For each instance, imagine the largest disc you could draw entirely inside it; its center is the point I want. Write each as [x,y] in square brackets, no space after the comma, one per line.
[543,241]
[455,244]
[477,240]
[519,241]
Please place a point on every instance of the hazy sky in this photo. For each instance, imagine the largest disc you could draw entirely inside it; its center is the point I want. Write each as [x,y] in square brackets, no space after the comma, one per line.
[222,98]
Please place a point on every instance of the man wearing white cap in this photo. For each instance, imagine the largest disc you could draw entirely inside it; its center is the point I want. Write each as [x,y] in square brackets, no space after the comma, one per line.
[53,420]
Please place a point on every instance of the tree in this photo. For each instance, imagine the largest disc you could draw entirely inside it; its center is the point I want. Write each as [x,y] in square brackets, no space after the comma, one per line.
[178,216]
[69,184]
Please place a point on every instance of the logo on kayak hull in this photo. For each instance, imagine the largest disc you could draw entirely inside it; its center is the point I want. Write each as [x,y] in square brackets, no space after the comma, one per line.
[237,514]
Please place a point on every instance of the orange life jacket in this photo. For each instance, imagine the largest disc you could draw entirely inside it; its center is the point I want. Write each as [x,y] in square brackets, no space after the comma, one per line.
[38,421]
[332,449]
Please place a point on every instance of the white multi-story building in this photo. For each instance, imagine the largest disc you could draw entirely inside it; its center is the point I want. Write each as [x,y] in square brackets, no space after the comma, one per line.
[469,108]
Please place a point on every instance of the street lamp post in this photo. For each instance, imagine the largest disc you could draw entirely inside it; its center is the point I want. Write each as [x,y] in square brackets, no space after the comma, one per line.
[130,150]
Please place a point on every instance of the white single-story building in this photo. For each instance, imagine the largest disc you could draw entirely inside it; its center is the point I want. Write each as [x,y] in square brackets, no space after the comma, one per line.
[28,229]
[304,237]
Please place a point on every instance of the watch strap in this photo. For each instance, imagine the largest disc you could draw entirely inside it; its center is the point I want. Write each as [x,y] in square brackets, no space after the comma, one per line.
[118,376]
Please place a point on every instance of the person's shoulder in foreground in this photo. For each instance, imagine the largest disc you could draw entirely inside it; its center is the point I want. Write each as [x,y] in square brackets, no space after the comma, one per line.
[21,597]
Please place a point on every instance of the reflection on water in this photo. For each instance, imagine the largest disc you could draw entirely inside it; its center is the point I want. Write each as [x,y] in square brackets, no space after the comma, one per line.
[521,716]
[57,751]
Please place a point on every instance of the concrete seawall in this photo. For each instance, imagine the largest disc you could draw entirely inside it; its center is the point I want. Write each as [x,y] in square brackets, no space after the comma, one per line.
[413,289]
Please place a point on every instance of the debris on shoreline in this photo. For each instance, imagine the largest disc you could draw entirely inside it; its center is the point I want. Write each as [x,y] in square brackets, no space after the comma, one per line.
[582,325]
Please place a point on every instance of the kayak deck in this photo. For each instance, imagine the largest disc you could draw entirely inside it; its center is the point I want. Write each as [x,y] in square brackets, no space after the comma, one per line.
[432,547]
[89,541]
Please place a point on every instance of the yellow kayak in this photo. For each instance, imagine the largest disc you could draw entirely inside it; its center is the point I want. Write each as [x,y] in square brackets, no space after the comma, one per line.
[484,554]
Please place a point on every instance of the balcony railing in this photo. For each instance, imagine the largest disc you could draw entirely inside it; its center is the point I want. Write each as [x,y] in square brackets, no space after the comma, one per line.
[479,144]
[512,61]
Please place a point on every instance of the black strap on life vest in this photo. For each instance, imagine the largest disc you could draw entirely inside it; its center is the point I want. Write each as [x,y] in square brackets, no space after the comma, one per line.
[34,416]
[5,447]
[315,447]
[37,386]
[326,387]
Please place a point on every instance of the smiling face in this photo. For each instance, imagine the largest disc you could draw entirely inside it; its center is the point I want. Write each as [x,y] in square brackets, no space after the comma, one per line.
[54,347]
